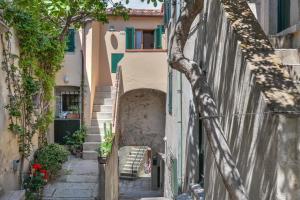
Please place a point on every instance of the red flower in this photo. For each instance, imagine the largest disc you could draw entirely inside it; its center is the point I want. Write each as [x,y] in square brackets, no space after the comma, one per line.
[45,173]
[37,166]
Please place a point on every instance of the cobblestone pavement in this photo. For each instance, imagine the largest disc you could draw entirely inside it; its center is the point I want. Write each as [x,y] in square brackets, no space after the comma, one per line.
[78,181]
[139,189]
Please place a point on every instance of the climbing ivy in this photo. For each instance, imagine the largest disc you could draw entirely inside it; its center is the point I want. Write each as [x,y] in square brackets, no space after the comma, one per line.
[30,75]
[41,27]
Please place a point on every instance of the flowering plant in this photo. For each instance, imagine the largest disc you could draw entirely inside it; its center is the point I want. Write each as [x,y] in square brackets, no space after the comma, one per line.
[35,181]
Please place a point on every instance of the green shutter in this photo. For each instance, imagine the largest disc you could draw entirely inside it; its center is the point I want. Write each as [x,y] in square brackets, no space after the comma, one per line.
[71,41]
[129,37]
[115,59]
[167,11]
[162,27]
[170,92]
[158,37]
[284,7]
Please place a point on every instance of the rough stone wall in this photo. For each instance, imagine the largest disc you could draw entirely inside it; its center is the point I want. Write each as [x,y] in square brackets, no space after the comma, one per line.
[112,173]
[249,86]
[142,119]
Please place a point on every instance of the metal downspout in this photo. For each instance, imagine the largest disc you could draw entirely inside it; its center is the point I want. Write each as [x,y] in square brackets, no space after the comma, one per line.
[181,133]
[82,74]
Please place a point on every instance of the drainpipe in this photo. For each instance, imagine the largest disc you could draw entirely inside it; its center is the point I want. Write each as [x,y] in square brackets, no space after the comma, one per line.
[82,75]
[82,89]
[181,132]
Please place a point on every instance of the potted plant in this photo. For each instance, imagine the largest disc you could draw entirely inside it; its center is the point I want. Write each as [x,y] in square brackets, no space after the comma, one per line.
[75,141]
[105,146]
[74,112]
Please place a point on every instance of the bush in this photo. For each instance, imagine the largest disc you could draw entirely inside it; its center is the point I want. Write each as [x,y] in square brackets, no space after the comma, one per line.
[76,140]
[51,157]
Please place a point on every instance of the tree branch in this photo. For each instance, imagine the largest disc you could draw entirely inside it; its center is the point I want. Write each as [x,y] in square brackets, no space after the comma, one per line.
[206,105]
[64,32]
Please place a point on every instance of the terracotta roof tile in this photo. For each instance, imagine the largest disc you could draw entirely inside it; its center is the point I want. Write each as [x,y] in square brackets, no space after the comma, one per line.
[143,12]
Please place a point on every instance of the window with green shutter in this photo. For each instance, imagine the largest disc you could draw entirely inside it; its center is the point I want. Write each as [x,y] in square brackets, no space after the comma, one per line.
[115,59]
[284,7]
[129,37]
[170,92]
[70,44]
[158,37]
[167,11]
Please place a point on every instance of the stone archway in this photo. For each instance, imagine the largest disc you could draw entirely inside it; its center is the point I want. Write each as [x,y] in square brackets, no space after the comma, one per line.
[142,119]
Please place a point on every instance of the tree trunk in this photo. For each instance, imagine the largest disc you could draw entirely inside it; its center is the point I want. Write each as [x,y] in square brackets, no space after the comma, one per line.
[206,105]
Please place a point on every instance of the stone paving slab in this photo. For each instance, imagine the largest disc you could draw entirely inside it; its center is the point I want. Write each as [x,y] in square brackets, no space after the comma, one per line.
[139,189]
[78,180]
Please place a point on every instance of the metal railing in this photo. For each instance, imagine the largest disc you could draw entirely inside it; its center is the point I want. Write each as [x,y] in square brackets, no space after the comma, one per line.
[136,159]
[115,107]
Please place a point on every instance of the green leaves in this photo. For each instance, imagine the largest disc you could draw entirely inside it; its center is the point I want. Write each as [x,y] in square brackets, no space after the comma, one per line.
[105,147]
[51,157]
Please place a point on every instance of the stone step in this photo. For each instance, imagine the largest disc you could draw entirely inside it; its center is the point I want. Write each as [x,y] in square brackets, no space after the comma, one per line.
[126,169]
[102,115]
[127,177]
[131,159]
[130,165]
[102,95]
[104,101]
[90,146]
[90,155]
[129,172]
[106,88]
[102,108]
[95,130]
[93,138]
[100,122]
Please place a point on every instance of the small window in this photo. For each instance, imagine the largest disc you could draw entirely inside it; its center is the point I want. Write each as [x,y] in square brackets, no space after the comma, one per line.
[70,43]
[70,102]
[144,39]
[284,8]
[67,102]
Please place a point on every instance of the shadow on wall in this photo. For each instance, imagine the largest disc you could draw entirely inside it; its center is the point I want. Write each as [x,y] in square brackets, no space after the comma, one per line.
[105,55]
[245,77]
[192,149]
[142,119]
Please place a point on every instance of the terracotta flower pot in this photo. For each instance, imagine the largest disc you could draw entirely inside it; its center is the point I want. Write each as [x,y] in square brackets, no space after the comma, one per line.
[102,160]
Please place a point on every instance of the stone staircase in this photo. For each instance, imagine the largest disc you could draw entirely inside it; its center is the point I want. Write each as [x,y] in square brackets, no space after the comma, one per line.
[291,59]
[102,113]
[133,162]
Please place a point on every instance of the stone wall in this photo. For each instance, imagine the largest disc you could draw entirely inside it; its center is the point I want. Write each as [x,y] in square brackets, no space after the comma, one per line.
[141,119]
[112,173]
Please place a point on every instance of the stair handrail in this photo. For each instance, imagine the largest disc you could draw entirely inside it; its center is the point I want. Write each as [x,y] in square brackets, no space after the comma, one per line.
[118,79]
[135,159]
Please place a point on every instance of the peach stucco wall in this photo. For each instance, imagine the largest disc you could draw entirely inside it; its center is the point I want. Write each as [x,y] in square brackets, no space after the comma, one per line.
[146,70]
[71,67]
[9,151]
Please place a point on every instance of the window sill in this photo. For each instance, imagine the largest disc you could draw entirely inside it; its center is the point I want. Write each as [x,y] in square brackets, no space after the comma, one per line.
[146,50]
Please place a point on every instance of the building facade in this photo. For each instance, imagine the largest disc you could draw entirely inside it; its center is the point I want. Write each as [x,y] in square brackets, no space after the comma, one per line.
[258,102]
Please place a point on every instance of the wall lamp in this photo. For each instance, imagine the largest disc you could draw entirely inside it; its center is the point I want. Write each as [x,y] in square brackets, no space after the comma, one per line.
[112,29]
